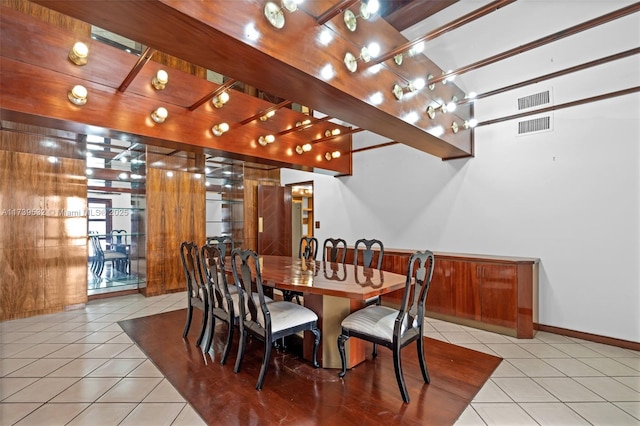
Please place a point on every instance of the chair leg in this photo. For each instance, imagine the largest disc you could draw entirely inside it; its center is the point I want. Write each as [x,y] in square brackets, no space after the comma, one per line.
[243,337]
[423,361]
[211,327]
[265,364]
[316,343]
[188,324]
[397,366]
[227,346]
[341,340]
[203,326]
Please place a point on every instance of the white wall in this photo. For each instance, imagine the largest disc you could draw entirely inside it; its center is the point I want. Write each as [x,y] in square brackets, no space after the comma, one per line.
[570,197]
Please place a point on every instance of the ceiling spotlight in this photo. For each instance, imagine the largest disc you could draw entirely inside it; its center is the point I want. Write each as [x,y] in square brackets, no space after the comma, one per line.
[351,62]
[444,108]
[303,148]
[413,86]
[431,86]
[264,140]
[303,123]
[219,129]
[267,116]
[79,53]
[468,124]
[160,80]
[159,115]
[333,132]
[219,100]
[350,18]
[330,155]
[274,13]
[78,95]
[414,50]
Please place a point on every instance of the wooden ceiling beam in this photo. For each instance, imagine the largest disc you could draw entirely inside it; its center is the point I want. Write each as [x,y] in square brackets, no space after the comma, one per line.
[285,62]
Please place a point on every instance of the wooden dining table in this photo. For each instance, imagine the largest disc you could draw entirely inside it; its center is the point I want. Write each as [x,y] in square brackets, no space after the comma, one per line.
[332,291]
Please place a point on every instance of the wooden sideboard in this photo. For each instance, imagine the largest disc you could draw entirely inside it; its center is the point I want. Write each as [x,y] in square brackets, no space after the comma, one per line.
[495,293]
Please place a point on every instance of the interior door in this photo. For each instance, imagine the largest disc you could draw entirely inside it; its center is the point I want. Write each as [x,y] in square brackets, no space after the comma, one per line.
[274,220]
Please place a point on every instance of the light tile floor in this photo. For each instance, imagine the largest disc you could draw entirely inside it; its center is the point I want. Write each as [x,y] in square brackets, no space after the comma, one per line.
[80,368]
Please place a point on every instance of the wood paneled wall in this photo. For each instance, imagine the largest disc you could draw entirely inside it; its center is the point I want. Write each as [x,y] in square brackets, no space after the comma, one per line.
[175,213]
[43,224]
[253,178]
[50,16]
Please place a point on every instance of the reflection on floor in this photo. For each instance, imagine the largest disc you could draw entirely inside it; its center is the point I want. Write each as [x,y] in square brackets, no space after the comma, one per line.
[112,280]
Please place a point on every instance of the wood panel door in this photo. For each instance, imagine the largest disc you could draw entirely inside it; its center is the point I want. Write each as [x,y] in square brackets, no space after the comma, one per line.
[274,220]
[498,293]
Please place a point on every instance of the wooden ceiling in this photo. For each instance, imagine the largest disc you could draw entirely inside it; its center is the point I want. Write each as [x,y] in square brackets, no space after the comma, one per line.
[285,63]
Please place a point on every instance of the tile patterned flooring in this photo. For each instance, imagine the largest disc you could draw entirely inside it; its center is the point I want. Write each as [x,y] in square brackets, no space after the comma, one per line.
[80,368]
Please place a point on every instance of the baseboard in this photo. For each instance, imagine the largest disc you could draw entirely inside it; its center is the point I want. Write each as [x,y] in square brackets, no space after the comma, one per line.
[112,294]
[627,344]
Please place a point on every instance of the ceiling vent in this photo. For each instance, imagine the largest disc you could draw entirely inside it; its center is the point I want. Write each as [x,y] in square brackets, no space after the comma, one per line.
[534,100]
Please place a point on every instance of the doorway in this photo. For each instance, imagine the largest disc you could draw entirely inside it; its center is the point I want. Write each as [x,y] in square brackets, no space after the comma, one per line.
[302,222]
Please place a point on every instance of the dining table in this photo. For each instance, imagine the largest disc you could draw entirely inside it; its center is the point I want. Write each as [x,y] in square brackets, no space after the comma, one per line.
[333,291]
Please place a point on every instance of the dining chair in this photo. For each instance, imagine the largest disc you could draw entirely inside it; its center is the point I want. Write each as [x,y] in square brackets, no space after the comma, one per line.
[224,243]
[395,328]
[266,321]
[119,240]
[336,248]
[366,253]
[363,252]
[308,248]
[119,260]
[197,295]
[223,300]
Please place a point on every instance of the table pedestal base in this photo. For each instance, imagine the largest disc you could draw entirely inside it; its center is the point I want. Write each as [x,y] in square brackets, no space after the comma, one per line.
[331,311]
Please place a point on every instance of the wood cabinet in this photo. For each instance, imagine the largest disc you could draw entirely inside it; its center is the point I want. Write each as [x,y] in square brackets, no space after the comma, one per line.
[490,292]
[496,293]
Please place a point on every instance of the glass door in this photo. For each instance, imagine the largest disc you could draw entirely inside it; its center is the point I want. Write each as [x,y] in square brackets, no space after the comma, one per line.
[115,217]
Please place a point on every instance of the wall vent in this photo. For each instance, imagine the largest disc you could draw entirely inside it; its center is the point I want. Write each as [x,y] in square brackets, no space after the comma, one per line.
[535,125]
[534,100]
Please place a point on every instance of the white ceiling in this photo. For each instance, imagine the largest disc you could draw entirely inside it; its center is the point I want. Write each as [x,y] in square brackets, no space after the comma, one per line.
[519,23]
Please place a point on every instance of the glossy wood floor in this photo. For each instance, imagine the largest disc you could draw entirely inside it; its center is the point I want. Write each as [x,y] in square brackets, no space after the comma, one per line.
[296,393]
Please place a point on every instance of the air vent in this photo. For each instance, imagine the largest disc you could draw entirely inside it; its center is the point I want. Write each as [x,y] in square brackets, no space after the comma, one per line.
[536,125]
[534,100]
